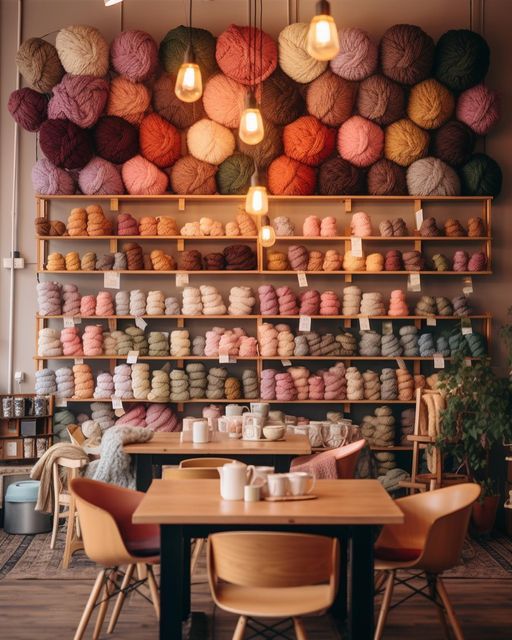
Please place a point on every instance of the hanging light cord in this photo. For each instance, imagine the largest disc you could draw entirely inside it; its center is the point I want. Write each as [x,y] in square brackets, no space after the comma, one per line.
[190,25]
[261,41]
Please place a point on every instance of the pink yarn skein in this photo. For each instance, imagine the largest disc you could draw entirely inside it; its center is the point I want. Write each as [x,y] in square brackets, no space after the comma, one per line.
[269,305]
[316,387]
[361,225]
[104,304]
[477,261]
[81,99]
[100,177]
[88,306]
[460,261]
[143,178]
[71,342]
[161,418]
[479,108]
[309,303]
[93,340]
[134,54]
[47,179]
[311,226]
[360,141]
[329,303]
[397,304]
[287,302]
[328,227]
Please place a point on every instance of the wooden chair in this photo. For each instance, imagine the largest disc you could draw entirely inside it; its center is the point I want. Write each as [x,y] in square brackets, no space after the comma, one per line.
[345,460]
[204,462]
[272,575]
[113,541]
[428,543]
[75,434]
[63,499]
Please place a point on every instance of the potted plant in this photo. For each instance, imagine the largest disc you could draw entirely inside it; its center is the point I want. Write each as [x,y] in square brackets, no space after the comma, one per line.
[477,419]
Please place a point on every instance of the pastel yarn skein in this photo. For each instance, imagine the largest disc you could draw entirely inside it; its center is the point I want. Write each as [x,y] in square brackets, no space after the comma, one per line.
[287,302]
[103,414]
[84,381]
[316,261]
[268,300]
[460,261]
[371,385]
[191,304]
[372,304]
[374,262]
[49,298]
[65,382]
[461,306]
[285,388]
[160,386]
[250,384]
[268,384]
[390,346]
[172,306]
[333,261]
[180,343]
[72,260]
[45,382]
[389,384]
[104,386]
[122,303]
[351,300]
[93,340]
[309,303]
[361,225]
[88,306]
[155,303]
[285,341]
[211,301]
[197,382]
[316,387]
[355,384]
[328,227]
[241,301]
[158,344]
[283,227]
[71,342]
[248,347]
[137,303]
[335,382]
[397,304]
[329,303]
[161,418]
[353,263]
[298,257]
[179,387]
[267,340]
[211,347]
[409,340]
[48,343]
[370,343]
[229,343]
[311,227]
[56,262]
[70,300]
[300,377]
[104,304]
[198,345]
[477,261]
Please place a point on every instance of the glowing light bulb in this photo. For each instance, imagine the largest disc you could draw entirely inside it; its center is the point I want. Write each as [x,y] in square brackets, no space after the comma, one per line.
[267,236]
[251,129]
[256,201]
[322,41]
[189,84]
[109,3]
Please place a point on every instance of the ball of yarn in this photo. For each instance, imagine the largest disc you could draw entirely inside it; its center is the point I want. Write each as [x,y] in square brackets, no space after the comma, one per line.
[381,100]
[405,142]
[169,106]
[432,177]
[100,177]
[38,62]
[281,99]
[160,141]
[235,54]
[210,142]
[287,176]
[80,99]
[331,99]
[461,59]
[224,100]
[385,178]
[174,45]
[294,59]
[134,54]
[430,104]
[47,179]
[357,57]
[360,141]
[142,177]
[453,143]
[406,54]
[28,108]
[192,176]
[82,50]
[479,108]
[268,149]
[338,177]
[234,174]
[308,140]
[65,144]
[481,176]
[115,139]
[128,100]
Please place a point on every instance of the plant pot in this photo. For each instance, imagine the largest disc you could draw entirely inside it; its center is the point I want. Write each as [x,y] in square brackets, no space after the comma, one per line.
[484,514]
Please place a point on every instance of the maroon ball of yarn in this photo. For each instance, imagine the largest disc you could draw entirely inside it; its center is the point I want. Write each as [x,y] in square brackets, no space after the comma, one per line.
[381,100]
[281,99]
[116,140]
[406,54]
[386,178]
[169,106]
[339,177]
[65,145]
[453,143]
[29,108]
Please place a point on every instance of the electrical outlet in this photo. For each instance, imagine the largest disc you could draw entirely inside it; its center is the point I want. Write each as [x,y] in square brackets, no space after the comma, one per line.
[19,376]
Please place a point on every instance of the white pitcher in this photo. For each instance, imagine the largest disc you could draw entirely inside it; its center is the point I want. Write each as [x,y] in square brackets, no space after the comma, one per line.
[233,478]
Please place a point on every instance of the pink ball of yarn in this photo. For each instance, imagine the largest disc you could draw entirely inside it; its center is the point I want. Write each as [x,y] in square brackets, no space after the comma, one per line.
[235,56]
[358,55]
[100,177]
[134,54]
[81,99]
[88,306]
[28,108]
[477,261]
[361,224]
[311,226]
[310,303]
[360,141]
[47,179]
[224,100]
[268,300]
[479,108]
[142,177]
[328,227]
[460,261]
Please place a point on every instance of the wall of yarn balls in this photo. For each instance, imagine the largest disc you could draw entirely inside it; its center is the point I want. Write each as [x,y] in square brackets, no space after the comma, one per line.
[389,118]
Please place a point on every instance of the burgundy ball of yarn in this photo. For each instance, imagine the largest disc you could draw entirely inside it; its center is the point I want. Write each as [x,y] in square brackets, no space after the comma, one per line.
[100,177]
[381,100]
[28,108]
[81,99]
[64,144]
[281,99]
[339,177]
[268,149]
[331,98]
[386,178]
[406,54]
[169,106]
[235,54]
[453,143]
[116,139]
[192,176]
[134,54]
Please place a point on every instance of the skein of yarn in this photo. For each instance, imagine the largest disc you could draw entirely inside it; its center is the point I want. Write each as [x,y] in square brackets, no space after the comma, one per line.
[294,59]
[235,52]
[28,108]
[281,99]
[430,104]
[338,177]
[100,177]
[142,177]
[431,176]
[405,142]
[128,100]
[82,50]
[47,179]
[479,108]
[174,45]
[358,56]
[115,139]
[386,178]
[381,100]
[39,64]
[134,54]
[192,176]
[224,100]
[210,142]
[160,141]
[406,54]
[360,141]
[453,143]
[167,104]
[65,144]
[331,99]
[309,141]
[81,99]
[287,176]
[481,176]
[461,59]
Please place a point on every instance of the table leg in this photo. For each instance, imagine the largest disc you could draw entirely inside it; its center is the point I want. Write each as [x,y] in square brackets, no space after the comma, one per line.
[186,577]
[282,463]
[143,471]
[171,582]
[361,583]
[339,606]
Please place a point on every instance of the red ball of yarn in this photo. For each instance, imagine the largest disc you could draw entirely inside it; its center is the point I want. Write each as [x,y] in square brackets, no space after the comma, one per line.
[234,56]
[308,140]
[116,139]
[160,141]
[287,176]
[65,144]
[339,177]
[360,141]
[29,108]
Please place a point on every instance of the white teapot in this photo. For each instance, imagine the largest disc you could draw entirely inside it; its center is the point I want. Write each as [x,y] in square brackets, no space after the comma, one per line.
[233,478]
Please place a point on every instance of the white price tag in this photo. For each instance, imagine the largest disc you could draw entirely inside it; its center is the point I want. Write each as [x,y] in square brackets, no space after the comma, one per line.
[69,322]
[286,363]
[466,327]
[431,322]
[132,357]
[225,358]
[467,287]
[11,449]
[364,323]
[438,361]
[387,328]
[119,413]
[181,279]
[414,282]
[79,360]
[61,402]
[467,362]
[112,280]
[117,403]
[401,364]
[356,247]
[305,323]
[77,319]
[419,218]
[141,323]
[301,277]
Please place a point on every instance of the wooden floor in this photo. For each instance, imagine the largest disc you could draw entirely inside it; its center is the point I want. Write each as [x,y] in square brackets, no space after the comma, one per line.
[50,609]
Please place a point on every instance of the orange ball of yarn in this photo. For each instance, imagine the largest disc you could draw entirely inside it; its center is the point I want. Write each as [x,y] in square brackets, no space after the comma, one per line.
[224,100]
[287,176]
[160,141]
[331,99]
[308,140]
[128,100]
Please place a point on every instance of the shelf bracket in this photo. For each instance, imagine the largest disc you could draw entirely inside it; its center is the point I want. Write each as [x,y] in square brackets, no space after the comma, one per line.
[348,205]
[181,204]
[114,204]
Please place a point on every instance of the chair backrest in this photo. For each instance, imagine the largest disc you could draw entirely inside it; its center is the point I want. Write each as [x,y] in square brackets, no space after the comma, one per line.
[190,473]
[64,470]
[75,434]
[204,462]
[347,457]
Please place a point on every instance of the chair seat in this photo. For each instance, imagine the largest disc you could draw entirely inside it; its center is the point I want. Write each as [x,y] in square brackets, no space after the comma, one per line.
[145,547]
[261,602]
[396,554]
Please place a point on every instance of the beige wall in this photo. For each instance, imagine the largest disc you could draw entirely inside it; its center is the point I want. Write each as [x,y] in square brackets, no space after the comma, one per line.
[493,17]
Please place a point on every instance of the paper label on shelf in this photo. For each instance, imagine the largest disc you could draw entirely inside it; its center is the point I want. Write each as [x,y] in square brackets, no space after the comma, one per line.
[438,361]
[467,285]
[364,323]
[117,403]
[431,322]
[119,413]
[401,363]
[356,246]
[79,360]
[305,323]
[467,362]
[286,363]
[61,402]
[467,329]
[181,279]
[141,323]
[112,280]
[414,282]
[301,277]
[225,358]
[68,322]
[77,319]
[387,328]
[132,357]
[11,450]
[419,218]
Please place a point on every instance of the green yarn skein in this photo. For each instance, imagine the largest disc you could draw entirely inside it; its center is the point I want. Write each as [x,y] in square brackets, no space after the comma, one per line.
[461,59]
[174,45]
[481,176]
[234,174]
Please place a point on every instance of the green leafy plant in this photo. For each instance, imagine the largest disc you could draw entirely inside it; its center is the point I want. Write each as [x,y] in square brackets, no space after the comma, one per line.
[506,336]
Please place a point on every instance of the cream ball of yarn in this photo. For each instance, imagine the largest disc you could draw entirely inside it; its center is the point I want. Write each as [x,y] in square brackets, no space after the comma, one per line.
[432,177]
[210,141]
[294,59]
[82,50]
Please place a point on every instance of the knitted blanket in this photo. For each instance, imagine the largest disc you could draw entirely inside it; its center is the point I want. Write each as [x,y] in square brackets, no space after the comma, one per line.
[321,465]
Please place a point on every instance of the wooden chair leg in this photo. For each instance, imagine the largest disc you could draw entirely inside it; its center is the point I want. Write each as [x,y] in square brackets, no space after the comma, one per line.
[86,615]
[120,598]
[240,628]
[55,525]
[431,580]
[300,632]
[384,607]
[107,591]
[441,590]
[379,580]
[198,548]
[70,534]
[153,590]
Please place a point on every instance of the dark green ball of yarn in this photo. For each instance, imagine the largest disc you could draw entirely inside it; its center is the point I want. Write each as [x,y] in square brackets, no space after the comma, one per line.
[481,176]
[461,59]
[175,43]
[234,174]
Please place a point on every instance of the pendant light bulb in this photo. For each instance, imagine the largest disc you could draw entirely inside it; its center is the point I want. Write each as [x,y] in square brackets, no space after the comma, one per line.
[109,3]
[251,129]
[322,41]
[267,234]
[256,201]
[189,83]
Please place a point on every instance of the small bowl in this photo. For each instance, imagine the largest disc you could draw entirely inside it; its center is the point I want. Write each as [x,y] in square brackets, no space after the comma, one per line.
[274,431]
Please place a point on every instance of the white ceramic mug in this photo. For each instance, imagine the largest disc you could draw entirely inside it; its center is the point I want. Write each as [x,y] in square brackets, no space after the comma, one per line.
[275,416]
[298,483]
[200,431]
[235,410]
[277,484]
[261,408]
[260,477]
[188,423]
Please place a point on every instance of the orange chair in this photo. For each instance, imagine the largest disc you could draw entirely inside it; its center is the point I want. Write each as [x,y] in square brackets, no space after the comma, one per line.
[111,540]
[345,460]
[429,542]
[204,462]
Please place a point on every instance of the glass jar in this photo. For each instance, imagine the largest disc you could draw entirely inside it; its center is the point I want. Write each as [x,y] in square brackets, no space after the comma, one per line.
[7,407]
[40,406]
[19,407]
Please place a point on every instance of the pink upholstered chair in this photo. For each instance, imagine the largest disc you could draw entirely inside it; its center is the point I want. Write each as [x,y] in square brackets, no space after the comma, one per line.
[337,463]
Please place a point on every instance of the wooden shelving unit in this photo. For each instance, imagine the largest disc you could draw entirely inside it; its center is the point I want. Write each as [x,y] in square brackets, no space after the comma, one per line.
[19,436]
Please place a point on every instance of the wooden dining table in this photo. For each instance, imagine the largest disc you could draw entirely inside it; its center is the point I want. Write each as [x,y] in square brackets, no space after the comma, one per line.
[169,448]
[349,510]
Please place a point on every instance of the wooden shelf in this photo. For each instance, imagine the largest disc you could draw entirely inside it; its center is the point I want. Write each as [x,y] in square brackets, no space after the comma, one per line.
[148,272]
[248,358]
[117,237]
[485,316]
[343,238]
[171,197]
[370,273]
[239,401]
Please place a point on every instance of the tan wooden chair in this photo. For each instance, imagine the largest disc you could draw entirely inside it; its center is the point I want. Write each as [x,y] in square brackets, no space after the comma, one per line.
[204,462]
[113,541]
[427,543]
[272,575]
[75,434]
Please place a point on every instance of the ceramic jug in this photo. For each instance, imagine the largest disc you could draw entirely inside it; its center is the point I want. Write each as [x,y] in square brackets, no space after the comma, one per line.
[233,478]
